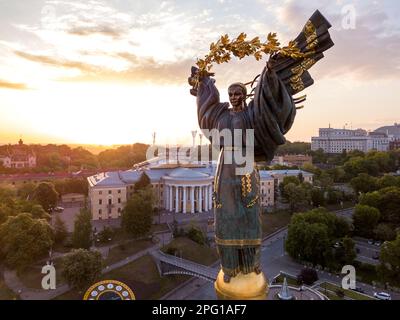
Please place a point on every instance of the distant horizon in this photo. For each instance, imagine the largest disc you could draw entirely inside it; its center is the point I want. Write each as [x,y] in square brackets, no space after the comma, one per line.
[112,72]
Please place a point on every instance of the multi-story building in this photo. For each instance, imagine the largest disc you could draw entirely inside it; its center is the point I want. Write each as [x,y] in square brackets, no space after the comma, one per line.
[18,156]
[337,140]
[394,145]
[178,188]
[292,160]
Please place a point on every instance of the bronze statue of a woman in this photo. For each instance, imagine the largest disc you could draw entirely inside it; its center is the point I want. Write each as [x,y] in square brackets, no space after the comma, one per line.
[270,114]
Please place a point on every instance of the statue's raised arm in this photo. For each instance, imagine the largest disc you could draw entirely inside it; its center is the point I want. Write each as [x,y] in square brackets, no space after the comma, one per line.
[269,115]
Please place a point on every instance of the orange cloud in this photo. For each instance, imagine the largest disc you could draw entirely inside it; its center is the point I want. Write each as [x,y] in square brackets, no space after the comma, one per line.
[12,85]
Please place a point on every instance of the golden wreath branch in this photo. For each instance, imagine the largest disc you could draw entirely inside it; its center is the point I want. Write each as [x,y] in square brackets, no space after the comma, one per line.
[223,50]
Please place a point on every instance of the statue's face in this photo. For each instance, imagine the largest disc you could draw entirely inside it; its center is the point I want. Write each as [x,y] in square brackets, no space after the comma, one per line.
[236,97]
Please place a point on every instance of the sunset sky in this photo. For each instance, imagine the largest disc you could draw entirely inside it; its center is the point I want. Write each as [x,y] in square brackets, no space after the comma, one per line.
[114,71]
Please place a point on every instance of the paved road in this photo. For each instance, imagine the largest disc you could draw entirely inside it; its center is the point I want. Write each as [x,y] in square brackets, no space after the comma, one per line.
[273,261]
[12,281]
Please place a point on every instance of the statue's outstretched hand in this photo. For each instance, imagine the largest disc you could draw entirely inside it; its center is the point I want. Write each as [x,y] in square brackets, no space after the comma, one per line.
[193,81]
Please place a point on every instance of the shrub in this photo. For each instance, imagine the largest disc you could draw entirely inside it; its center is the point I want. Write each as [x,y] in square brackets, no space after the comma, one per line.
[307,276]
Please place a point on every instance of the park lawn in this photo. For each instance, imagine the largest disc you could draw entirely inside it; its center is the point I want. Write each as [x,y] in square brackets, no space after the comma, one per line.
[119,236]
[274,221]
[6,293]
[330,295]
[193,251]
[32,276]
[291,281]
[126,249]
[141,276]
[366,273]
[348,293]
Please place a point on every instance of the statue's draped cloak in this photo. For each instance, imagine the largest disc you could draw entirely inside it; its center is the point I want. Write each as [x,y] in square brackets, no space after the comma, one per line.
[237,197]
[271,114]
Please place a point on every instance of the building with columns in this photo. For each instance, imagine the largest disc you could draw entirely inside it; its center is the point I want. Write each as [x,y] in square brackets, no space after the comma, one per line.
[188,191]
[185,189]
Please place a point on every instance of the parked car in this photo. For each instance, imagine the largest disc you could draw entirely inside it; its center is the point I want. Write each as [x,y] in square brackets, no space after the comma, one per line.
[370,241]
[378,243]
[58,209]
[382,296]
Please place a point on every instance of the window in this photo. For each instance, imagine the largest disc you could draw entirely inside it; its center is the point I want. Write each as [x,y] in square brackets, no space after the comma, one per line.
[119,210]
[109,191]
[119,191]
[100,192]
[109,201]
[109,210]
[100,212]
[119,200]
[100,201]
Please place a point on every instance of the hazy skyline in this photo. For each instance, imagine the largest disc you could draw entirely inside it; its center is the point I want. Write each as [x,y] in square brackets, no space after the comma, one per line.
[113,71]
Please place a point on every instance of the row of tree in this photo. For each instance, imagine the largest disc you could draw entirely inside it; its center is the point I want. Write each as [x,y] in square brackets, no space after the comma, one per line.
[300,194]
[320,237]
[60,158]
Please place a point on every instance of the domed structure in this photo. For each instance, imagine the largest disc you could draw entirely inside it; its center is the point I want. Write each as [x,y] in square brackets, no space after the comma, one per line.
[187,174]
[188,190]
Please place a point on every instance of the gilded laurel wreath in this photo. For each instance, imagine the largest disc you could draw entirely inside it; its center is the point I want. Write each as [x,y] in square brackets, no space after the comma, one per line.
[224,48]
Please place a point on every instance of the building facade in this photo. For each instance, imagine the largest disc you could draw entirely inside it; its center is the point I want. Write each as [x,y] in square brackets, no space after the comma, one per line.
[185,189]
[292,160]
[18,156]
[338,140]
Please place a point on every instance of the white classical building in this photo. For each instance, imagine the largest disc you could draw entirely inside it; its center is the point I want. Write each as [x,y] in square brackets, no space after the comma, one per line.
[337,140]
[178,188]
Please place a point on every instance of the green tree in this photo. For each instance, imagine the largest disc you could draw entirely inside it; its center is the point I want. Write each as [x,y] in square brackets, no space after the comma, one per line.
[319,156]
[324,180]
[389,205]
[385,232]
[349,248]
[5,212]
[26,190]
[196,235]
[106,234]
[60,230]
[38,212]
[311,234]
[24,240]
[317,197]
[389,268]
[387,201]
[388,181]
[137,216]
[81,268]
[308,242]
[365,220]
[46,195]
[82,235]
[143,182]
[285,182]
[79,186]
[364,183]
[296,196]
[334,196]
[371,199]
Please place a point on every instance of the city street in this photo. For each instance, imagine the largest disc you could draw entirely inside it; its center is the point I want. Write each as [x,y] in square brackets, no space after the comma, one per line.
[274,260]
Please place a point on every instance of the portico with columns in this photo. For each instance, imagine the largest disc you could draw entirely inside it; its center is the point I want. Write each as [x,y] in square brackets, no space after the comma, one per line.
[188,191]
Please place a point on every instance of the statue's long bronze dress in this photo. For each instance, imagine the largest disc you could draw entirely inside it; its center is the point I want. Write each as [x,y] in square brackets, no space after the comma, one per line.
[271,114]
